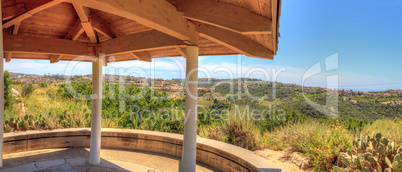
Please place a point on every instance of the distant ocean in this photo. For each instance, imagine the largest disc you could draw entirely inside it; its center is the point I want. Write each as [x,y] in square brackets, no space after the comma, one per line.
[366,89]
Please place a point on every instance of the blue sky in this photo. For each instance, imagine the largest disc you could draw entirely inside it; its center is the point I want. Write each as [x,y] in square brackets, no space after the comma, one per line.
[365,34]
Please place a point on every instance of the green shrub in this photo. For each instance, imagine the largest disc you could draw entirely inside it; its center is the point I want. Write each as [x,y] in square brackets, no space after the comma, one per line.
[43,84]
[212,132]
[320,142]
[27,89]
[237,129]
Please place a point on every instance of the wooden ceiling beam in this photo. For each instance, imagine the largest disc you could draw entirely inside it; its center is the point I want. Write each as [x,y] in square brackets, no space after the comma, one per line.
[19,44]
[234,41]
[142,56]
[89,30]
[83,14]
[156,14]
[227,16]
[143,41]
[75,32]
[30,13]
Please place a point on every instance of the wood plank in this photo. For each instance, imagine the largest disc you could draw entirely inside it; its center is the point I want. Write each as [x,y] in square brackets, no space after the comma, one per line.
[251,5]
[30,13]
[83,14]
[157,14]
[8,56]
[44,45]
[265,8]
[55,58]
[10,12]
[230,17]
[234,41]
[75,32]
[143,41]
[142,56]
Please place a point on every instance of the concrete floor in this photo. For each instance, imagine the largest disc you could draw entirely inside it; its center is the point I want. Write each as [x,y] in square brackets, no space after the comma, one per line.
[75,159]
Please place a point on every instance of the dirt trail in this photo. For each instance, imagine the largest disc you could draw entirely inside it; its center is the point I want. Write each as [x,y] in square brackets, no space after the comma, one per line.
[281,158]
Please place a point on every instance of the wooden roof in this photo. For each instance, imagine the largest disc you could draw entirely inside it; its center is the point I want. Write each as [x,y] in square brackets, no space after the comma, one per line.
[138,29]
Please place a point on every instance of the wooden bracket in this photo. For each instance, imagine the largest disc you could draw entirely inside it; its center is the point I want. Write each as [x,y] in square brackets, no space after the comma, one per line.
[95,50]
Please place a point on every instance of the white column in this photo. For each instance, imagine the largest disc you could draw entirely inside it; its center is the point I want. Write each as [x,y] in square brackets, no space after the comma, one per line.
[94,154]
[188,160]
[1,90]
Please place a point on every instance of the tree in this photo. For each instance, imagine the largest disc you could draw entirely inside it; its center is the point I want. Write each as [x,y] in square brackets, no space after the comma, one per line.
[8,97]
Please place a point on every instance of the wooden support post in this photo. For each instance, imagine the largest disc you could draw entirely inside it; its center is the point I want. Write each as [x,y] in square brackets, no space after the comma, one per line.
[1,93]
[188,159]
[94,154]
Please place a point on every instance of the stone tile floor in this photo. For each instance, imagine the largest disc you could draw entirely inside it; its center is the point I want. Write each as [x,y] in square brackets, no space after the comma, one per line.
[75,160]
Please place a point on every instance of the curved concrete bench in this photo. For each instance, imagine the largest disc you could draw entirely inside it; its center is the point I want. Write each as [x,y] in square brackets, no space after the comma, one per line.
[213,153]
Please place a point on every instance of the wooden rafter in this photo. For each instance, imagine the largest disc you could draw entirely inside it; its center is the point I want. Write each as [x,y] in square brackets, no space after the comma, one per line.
[274,9]
[104,27]
[142,56]
[30,13]
[83,14]
[227,16]
[101,27]
[19,44]
[143,41]
[157,14]
[55,58]
[76,31]
[234,41]
[89,30]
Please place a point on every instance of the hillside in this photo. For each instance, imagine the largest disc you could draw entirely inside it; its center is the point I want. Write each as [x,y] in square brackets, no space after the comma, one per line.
[255,115]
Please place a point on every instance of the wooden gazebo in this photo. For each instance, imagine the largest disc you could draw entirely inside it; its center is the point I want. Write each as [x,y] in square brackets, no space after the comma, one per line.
[102,31]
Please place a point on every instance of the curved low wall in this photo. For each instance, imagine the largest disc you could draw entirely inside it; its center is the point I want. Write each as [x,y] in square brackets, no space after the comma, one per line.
[216,154]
